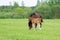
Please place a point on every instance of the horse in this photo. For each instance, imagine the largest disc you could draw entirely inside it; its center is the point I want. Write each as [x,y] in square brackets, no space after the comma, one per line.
[35,20]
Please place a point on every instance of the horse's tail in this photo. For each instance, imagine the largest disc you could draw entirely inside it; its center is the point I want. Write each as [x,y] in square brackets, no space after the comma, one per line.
[30,24]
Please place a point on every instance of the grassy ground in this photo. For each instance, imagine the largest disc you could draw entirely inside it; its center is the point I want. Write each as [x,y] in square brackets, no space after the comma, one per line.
[17,29]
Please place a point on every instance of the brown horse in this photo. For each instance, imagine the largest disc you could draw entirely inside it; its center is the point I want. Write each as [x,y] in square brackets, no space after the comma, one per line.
[35,20]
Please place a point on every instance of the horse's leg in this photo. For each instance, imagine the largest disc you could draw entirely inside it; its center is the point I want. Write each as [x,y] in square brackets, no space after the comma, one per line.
[33,24]
[39,26]
[30,24]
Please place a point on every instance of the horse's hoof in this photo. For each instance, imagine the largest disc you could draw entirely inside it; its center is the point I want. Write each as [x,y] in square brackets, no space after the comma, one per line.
[39,29]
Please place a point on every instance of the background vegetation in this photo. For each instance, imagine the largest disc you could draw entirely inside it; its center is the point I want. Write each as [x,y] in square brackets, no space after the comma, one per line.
[48,9]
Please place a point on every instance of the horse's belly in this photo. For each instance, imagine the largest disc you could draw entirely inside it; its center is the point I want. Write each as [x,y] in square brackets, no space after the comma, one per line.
[36,20]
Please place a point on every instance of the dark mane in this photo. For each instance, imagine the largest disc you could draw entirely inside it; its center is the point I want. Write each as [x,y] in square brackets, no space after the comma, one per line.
[32,14]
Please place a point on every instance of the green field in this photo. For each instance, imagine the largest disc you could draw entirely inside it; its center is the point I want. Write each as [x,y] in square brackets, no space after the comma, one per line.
[17,29]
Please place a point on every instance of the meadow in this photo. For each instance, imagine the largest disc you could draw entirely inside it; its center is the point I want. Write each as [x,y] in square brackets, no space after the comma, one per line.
[17,29]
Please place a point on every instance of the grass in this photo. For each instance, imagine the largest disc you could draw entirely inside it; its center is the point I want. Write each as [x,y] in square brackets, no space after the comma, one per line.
[17,29]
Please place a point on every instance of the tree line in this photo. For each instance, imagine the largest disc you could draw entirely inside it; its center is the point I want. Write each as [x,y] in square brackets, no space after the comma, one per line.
[49,9]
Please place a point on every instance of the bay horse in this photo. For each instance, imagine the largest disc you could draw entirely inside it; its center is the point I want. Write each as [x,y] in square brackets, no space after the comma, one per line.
[35,20]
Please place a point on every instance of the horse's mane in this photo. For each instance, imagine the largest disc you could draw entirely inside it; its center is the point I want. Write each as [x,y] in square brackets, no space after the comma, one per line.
[32,14]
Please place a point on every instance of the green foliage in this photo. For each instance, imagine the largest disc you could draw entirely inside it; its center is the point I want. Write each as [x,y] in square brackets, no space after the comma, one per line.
[48,9]
[16,5]
[55,7]
[44,10]
[19,12]
[56,10]
[38,2]
[28,11]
